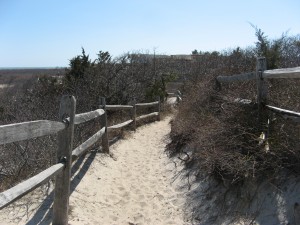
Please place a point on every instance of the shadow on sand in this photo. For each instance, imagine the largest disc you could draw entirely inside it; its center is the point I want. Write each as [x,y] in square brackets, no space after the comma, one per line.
[210,202]
[43,215]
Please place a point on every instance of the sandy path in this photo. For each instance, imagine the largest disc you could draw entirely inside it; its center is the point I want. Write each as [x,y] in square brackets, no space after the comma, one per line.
[134,187]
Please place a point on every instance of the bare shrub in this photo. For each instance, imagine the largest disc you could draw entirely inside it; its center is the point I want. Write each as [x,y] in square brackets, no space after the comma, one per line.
[122,80]
[216,133]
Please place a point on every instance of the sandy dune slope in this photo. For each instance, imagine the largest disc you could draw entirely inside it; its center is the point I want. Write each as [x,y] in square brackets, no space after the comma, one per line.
[133,186]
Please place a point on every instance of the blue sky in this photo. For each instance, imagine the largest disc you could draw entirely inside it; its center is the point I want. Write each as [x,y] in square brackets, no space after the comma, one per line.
[47,33]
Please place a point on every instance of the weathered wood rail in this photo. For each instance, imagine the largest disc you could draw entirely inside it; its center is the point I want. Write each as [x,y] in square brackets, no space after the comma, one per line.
[65,155]
[133,108]
[260,75]
[176,94]
[266,74]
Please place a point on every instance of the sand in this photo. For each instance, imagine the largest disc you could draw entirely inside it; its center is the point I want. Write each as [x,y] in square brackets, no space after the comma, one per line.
[132,186]
[153,197]
[139,184]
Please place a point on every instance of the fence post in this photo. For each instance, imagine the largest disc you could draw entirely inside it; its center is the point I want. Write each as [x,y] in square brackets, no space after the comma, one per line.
[64,154]
[134,114]
[218,85]
[178,96]
[105,144]
[158,105]
[262,90]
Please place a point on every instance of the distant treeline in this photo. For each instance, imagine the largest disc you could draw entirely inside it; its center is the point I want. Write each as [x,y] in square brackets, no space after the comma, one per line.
[32,71]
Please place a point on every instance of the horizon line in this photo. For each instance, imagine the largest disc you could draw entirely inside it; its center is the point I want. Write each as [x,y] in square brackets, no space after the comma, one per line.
[32,67]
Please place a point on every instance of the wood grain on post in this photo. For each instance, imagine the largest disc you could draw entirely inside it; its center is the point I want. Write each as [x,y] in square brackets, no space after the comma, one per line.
[105,144]
[179,96]
[261,66]
[158,108]
[64,152]
[218,86]
[133,116]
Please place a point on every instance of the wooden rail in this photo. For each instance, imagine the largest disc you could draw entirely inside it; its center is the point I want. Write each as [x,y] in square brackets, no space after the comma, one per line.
[147,116]
[260,75]
[84,117]
[27,130]
[171,94]
[119,107]
[9,196]
[120,125]
[176,94]
[147,104]
[282,73]
[133,109]
[65,155]
[234,78]
[287,114]
[267,74]
[81,149]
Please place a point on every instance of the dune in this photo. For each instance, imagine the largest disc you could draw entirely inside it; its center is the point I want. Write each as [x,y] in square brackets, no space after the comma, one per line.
[134,185]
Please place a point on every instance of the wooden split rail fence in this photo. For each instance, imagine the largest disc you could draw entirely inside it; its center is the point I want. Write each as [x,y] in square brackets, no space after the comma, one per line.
[65,155]
[176,94]
[261,75]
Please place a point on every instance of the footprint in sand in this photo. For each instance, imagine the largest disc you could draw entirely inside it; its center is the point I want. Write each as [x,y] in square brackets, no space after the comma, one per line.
[122,202]
[154,206]
[127,198]
[177,202]
[114,218]
[153,186]
[138,217]
[113,197]
[137,191]
[160,197]
[128,175]
[131,190]
[141,197]
[121,188]
[143,204]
